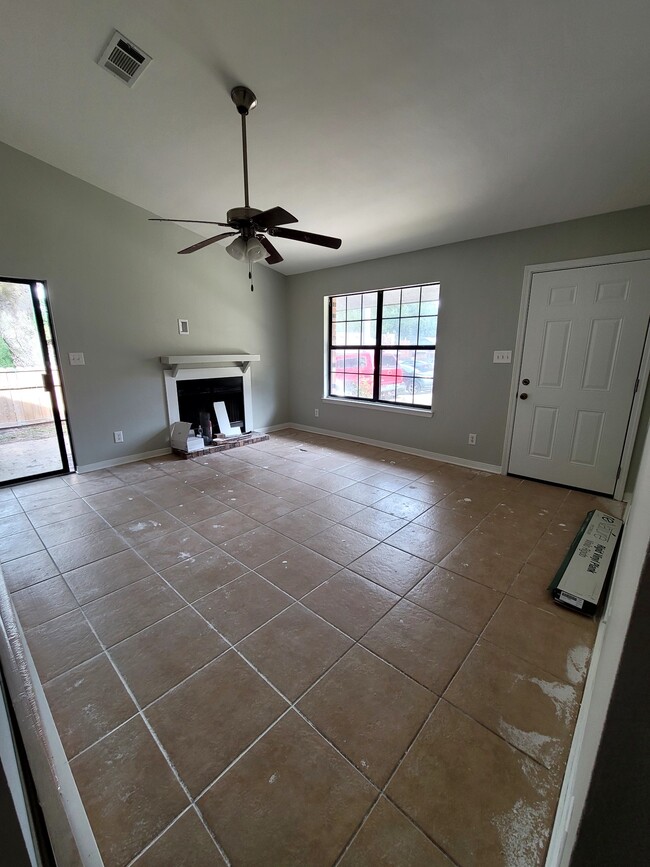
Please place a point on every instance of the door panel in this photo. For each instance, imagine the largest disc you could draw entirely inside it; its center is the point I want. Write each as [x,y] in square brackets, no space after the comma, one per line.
[585,333]
[554,354]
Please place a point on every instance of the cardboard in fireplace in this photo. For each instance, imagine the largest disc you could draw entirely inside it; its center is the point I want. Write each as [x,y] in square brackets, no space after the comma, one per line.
[197,397]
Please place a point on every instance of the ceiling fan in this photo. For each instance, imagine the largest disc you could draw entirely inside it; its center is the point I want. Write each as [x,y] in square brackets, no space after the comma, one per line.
[250,224]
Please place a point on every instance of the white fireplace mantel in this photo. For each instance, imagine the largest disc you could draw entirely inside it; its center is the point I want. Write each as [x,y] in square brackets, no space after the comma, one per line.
[188,362]
[182,367]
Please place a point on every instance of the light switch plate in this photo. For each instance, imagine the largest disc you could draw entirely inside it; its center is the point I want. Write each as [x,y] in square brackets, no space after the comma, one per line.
[502,356]
[183,326]
[76,358]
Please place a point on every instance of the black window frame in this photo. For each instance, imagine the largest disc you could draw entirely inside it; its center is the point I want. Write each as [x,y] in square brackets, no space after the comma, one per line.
[377,349]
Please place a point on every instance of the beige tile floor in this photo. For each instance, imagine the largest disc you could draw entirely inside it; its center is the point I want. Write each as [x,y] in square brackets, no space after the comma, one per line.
[304,652]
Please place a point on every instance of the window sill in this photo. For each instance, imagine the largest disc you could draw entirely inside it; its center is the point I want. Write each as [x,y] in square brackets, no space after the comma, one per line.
[382,407]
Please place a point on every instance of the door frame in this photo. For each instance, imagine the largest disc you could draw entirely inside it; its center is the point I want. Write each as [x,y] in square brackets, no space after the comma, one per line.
[66,469]
[644,369]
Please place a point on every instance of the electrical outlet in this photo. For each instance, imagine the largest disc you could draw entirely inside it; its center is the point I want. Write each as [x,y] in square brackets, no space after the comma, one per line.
[502,356]
[76,358]
[118,436]
[472,440]
[316,413]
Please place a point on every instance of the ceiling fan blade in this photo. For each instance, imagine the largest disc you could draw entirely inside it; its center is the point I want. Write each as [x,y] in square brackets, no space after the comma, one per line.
[274,257]
[173,220]
[307,237]
[207,241]
[274,217]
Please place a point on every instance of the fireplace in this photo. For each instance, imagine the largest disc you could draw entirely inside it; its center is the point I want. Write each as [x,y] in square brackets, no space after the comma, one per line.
[194,382]
[196,399]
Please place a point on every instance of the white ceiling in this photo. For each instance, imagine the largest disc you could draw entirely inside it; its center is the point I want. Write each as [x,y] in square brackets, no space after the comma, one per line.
[394,125]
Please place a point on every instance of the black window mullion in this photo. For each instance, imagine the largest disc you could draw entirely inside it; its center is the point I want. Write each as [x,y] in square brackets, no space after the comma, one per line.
[380,317]
[329,351]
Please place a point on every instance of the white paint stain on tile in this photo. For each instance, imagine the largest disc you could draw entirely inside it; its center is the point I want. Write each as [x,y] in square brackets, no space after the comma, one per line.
[142,525]
[544,748]
[183,555]
[273,778]
[523,832]
[576,663]
[562,695]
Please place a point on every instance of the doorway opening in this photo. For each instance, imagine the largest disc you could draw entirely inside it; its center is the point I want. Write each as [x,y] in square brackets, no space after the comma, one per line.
[34,438]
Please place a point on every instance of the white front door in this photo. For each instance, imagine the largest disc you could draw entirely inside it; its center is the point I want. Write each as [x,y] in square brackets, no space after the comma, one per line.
[584,339]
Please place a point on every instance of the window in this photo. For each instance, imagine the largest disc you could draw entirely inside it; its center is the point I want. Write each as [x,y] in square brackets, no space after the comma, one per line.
[382,345]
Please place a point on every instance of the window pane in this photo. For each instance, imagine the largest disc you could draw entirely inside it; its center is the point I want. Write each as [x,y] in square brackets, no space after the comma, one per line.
[411,295]
[431,292]
[338,333]
[408,331]
[366,386]
[428,330]
[390,331]
[351,360]
[354,307]
[338,308]
[405,391]
[369,332]
[389,362]
[370,305]
[354,333]
[411,301]
[424,361]
[423,389]
[351,385]
[387,388]
[392,300]
[337,363]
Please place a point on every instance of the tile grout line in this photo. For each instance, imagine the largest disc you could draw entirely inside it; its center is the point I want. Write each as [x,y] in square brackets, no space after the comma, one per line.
[299,601]
[152,732]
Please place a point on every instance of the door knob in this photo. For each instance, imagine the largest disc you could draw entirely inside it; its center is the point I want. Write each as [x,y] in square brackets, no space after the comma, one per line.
[525,381]
[523,396]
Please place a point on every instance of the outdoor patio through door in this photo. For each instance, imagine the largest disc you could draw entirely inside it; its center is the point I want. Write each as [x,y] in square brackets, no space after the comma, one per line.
[34,441]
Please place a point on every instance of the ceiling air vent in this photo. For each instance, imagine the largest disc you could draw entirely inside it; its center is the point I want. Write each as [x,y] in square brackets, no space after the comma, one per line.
[124,59]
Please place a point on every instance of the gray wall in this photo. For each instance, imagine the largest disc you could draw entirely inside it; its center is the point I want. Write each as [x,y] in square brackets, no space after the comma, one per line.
[117,288]
[481,284]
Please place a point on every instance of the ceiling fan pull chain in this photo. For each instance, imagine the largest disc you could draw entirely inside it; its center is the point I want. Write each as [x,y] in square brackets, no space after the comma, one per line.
[250,276]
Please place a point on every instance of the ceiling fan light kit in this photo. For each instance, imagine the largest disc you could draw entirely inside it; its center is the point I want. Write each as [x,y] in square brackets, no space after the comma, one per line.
[250,224]
[250,250]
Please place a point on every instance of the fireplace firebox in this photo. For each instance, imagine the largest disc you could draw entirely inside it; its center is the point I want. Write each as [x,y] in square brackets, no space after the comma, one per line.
[196,399]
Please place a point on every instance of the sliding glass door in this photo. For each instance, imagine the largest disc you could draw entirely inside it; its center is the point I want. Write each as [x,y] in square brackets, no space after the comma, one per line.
[33,429]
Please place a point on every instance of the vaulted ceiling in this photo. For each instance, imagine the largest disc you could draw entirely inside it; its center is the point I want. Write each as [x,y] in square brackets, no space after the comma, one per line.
[394,125]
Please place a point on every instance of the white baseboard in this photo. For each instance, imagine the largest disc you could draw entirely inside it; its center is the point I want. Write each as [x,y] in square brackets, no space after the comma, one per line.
[603,669]
[445,459]
[273,427]
[125,459]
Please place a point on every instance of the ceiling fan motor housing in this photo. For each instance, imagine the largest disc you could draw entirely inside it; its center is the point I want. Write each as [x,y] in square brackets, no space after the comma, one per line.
[242,220]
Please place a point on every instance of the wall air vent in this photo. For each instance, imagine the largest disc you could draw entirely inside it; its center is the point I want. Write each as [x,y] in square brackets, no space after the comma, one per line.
[124,59]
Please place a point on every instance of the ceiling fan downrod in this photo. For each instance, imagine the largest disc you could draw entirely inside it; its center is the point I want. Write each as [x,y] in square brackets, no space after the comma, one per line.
[245,101]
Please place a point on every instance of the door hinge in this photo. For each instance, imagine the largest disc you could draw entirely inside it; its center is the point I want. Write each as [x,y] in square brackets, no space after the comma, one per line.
[618,473]
[636,386]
